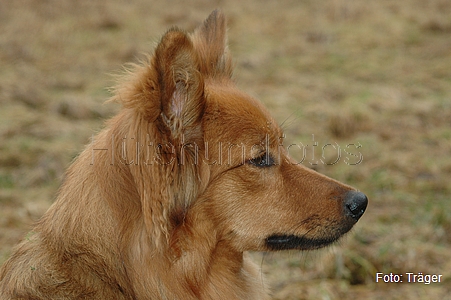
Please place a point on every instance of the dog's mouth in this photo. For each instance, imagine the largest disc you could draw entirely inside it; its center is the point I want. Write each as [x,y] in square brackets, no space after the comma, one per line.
[291,242]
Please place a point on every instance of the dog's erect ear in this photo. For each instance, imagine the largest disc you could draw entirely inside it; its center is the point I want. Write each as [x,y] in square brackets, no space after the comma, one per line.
[180,83]
[210,41]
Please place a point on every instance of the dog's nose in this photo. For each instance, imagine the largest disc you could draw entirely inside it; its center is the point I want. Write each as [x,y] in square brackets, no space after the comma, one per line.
[355,204]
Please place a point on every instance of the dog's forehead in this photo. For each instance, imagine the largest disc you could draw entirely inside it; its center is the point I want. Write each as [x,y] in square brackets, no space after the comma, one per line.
[234,112]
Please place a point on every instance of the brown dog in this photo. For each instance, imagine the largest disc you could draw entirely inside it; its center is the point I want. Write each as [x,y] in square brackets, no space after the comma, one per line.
[185,179]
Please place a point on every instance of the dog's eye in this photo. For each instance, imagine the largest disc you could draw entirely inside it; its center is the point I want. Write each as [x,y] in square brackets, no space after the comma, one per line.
[262,161]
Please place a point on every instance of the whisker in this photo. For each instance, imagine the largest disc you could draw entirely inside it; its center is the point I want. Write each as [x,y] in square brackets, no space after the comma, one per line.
[283,125]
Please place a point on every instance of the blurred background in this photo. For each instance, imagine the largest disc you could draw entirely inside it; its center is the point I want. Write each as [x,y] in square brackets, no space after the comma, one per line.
[373,74]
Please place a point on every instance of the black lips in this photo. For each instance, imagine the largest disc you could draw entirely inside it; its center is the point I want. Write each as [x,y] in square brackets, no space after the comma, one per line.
[288,242]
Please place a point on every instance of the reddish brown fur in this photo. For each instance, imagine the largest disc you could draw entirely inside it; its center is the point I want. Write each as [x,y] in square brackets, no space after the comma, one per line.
[176,226]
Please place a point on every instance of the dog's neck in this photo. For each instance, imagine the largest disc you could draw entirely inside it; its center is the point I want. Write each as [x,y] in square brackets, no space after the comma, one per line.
[204,265]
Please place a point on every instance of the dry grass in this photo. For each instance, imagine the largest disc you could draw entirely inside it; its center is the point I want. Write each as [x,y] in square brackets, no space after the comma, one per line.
[349,72]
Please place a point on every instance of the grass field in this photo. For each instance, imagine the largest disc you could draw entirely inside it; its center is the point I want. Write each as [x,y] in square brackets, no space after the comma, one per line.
[369,74]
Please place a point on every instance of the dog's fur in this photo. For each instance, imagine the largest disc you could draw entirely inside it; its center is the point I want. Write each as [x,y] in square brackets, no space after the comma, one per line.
[168,197]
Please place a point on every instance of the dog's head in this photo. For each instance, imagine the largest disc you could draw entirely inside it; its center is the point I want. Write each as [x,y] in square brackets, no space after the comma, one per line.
[219,153]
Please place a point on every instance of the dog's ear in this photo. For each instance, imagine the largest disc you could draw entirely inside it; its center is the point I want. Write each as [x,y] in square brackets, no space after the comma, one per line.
[180,83]
[210,41]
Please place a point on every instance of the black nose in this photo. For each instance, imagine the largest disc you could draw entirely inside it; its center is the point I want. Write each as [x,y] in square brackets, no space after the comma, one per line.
[355,204]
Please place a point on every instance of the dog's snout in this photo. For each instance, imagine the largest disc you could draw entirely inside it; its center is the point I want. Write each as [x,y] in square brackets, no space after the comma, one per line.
[355,204]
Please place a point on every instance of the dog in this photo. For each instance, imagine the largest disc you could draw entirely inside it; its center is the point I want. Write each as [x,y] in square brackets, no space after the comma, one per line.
[168,198]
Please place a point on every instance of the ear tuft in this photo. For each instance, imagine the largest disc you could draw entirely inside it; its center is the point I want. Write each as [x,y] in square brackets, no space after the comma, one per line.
[210,40]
